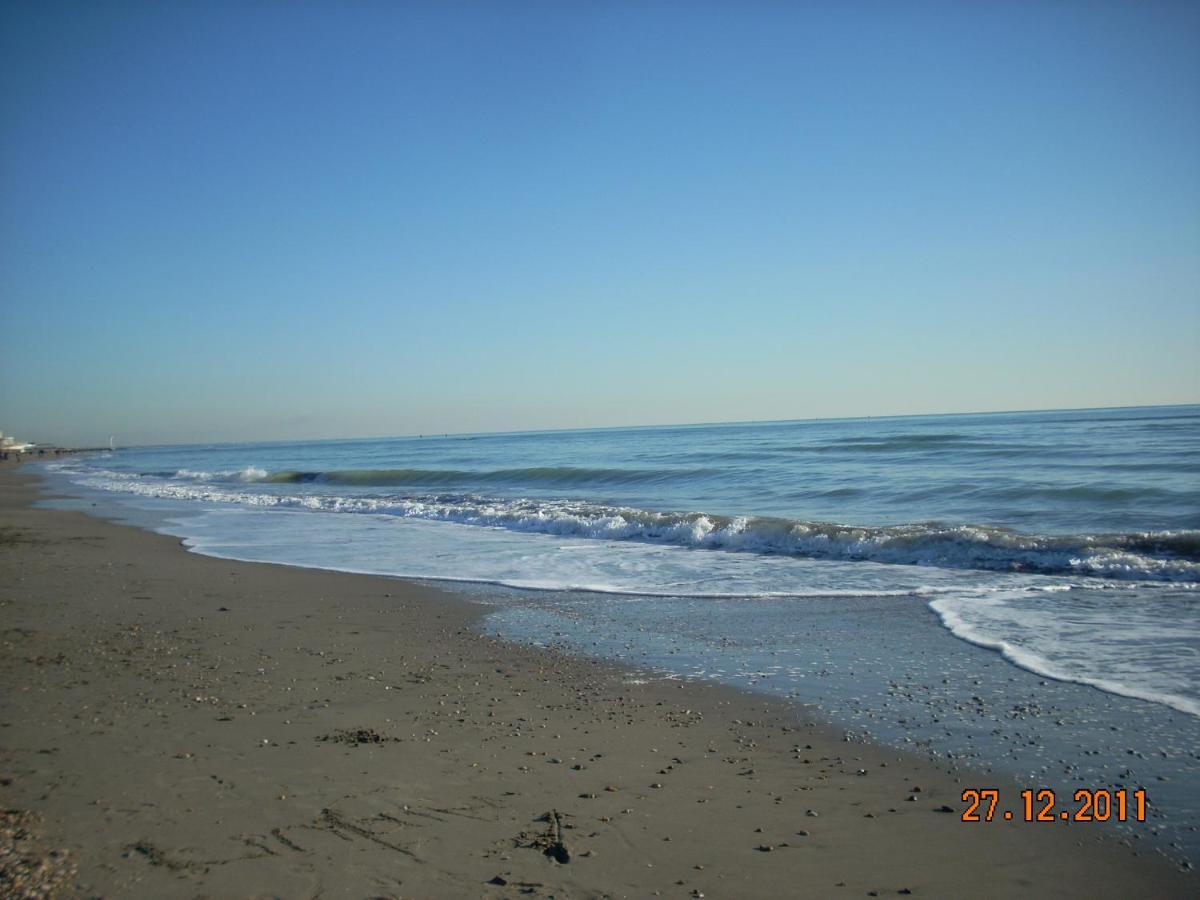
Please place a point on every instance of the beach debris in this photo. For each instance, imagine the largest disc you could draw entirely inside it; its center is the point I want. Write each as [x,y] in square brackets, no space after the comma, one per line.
[27,867]
[356,736]
[552,842]
[558,849]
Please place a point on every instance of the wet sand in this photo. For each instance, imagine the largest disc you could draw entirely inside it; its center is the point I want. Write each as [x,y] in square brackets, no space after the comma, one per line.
[183,726]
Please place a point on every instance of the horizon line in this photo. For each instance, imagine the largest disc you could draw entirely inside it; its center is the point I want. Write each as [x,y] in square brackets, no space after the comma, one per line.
[459,434]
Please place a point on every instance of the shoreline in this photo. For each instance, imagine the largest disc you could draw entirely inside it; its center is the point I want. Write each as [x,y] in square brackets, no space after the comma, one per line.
[185,724]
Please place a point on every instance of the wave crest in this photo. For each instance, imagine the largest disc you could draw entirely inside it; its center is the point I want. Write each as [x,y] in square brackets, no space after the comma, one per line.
[1154,556]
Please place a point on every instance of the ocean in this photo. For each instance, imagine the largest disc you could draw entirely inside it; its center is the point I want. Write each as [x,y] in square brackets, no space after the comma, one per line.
[1016,590]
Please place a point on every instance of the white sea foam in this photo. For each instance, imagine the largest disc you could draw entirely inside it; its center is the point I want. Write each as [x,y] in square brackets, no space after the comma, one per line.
[192,475]
[415,548]
[1153,660]
[247,475]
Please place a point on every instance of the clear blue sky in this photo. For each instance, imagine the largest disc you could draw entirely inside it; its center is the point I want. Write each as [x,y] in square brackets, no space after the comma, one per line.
[259,220]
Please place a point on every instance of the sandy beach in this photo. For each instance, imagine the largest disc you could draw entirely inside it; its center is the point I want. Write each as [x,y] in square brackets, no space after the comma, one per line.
[174,725]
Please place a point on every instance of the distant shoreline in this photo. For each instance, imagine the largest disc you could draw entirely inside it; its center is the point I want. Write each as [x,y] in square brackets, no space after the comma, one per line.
[41,454]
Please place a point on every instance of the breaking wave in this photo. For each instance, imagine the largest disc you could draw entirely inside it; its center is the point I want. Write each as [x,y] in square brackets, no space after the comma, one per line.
[1172,556]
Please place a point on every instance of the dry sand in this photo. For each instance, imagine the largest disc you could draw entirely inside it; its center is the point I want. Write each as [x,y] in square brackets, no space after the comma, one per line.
[191,727]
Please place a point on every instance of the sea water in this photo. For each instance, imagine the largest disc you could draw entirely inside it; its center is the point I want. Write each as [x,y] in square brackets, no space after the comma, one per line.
[855,564]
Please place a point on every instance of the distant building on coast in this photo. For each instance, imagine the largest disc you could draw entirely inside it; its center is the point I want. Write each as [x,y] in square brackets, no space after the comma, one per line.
[9,444]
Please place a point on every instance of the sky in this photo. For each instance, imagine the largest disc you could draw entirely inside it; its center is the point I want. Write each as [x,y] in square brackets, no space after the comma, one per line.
[273,220]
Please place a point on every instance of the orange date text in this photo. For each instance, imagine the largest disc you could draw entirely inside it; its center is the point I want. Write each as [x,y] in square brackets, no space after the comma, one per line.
[1043,805]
